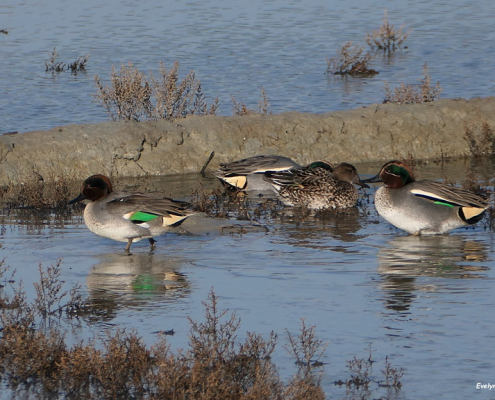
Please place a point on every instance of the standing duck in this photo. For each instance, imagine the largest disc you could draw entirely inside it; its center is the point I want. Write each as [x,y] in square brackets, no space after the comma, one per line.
[128,217]
[423,207]
[317,186]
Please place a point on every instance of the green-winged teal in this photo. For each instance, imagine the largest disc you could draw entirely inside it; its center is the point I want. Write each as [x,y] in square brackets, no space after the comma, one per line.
[423,207]
[317,186]
[247,174]
[128,217]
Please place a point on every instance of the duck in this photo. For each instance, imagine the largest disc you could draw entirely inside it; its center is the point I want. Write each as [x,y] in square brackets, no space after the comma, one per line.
[317,186]
[247,174]
[128,216]
[423,207]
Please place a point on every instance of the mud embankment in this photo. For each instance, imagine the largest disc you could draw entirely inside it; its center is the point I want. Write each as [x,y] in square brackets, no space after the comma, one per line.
[376,132]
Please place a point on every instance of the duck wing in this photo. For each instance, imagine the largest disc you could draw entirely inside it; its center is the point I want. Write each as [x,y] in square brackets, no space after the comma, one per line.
[257,164]
[303,177]
[139,208]
[448,195]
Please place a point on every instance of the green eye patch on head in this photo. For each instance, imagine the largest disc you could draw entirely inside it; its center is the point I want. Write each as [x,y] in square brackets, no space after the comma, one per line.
[320,164]
[400,171]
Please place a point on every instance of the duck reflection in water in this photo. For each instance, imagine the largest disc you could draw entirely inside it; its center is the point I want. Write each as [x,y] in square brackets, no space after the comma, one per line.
[137,280]
[406,259]
[314,230]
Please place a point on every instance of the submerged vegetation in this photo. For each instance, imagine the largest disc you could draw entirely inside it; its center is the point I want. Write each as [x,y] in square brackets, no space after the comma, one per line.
[387,37]
[351,61]
[424,92]
[53,65]
[35,356]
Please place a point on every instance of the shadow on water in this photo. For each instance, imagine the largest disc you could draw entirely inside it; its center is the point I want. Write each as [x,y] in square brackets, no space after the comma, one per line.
[405,260]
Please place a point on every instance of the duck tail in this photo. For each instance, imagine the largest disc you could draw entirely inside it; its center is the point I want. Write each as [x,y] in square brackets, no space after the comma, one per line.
[471,215]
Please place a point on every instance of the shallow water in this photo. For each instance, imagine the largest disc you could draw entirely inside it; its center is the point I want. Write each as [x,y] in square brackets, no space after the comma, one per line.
[235,48]
[426,302]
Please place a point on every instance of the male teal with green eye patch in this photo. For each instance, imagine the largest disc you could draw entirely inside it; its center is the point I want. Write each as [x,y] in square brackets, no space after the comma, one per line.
[128,217]
[423,207]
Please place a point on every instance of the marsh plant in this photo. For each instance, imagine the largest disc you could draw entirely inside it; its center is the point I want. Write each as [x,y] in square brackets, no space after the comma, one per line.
[58,66]
[242,109]
[35,358]
[128,97]
[392,375]
[36,192]
[79,65]
[424,92]
[387,37]
[133,96]
[362,377]
[351,61]
[306,348]
[53,64]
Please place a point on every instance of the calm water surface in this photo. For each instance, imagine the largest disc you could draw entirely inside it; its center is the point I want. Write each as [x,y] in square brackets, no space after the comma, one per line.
[426,302]
[235,47]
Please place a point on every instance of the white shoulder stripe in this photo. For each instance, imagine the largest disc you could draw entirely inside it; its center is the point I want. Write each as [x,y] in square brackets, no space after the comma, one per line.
[419,192]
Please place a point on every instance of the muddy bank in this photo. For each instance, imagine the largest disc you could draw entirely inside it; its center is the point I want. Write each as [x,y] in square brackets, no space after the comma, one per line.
[376,132]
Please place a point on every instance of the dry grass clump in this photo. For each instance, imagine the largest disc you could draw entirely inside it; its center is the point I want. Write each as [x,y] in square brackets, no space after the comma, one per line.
[361,370]
[120,365]
[209,201]
[35,193]
[177,100]
[78,65]
[53,65]
[392,375]
[234,204]
[31,345]
[351,61]
[306,348]
[130,95]
[58,66]
[413,94]
[242,109]
[481,143]
[387,37]
[35,358]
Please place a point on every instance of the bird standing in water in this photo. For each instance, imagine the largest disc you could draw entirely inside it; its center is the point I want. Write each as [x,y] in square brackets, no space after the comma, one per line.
[128,217]
[423,207]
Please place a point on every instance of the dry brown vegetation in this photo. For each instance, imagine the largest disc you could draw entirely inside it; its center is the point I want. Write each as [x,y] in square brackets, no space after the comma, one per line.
[134,96]
[34,355]
[36,359]
[413,94]
[351,61]
[36,193]
[481,140]
[242,109]
[58,66]
[361,370]
[387,37]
